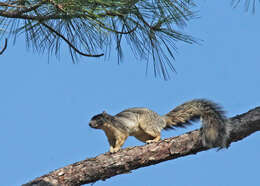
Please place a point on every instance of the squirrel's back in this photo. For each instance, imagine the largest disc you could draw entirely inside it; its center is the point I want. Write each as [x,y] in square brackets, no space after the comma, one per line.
[140,116]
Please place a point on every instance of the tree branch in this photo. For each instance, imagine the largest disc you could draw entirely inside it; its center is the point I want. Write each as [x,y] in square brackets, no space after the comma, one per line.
[107,165]
[69,43]
[5,46]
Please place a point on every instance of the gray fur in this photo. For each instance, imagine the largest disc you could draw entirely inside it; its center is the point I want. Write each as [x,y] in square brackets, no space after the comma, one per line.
[132,118]
[215,132]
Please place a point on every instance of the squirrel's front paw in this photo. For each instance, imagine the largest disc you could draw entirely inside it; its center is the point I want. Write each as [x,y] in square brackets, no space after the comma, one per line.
[150,141]
[156,139]
[114,150]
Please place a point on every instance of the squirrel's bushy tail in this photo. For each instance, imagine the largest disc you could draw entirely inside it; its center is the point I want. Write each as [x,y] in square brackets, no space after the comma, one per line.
[214,131]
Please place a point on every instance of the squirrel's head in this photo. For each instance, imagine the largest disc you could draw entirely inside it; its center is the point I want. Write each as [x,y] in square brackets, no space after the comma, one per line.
[99,120]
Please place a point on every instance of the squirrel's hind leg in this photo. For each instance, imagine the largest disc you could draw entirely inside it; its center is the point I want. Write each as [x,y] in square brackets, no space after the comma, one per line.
[156,139]
[151,131]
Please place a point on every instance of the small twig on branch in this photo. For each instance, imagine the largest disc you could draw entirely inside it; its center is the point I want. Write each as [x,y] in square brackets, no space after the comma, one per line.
[107,165]
[11,5]
[5,46]
[69,43]
[57,5]
[19,13]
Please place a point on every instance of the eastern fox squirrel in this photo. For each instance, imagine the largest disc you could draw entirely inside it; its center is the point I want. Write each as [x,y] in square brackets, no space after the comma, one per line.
[146,125]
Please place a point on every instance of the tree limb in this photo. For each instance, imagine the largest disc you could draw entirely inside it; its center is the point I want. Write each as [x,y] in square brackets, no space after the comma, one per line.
[107,165]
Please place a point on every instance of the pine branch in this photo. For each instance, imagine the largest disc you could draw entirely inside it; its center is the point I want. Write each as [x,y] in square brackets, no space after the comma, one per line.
[69,43]
[107,165]
[150,28]
[4,48]
[248,4]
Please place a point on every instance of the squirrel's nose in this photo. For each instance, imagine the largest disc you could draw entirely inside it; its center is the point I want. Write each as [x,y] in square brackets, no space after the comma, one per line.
[92,124]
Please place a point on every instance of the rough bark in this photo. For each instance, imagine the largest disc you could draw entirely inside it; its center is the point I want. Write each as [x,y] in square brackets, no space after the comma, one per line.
[107,165]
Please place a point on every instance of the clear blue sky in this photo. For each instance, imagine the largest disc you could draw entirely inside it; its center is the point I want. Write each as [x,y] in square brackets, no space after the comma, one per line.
[45,108]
